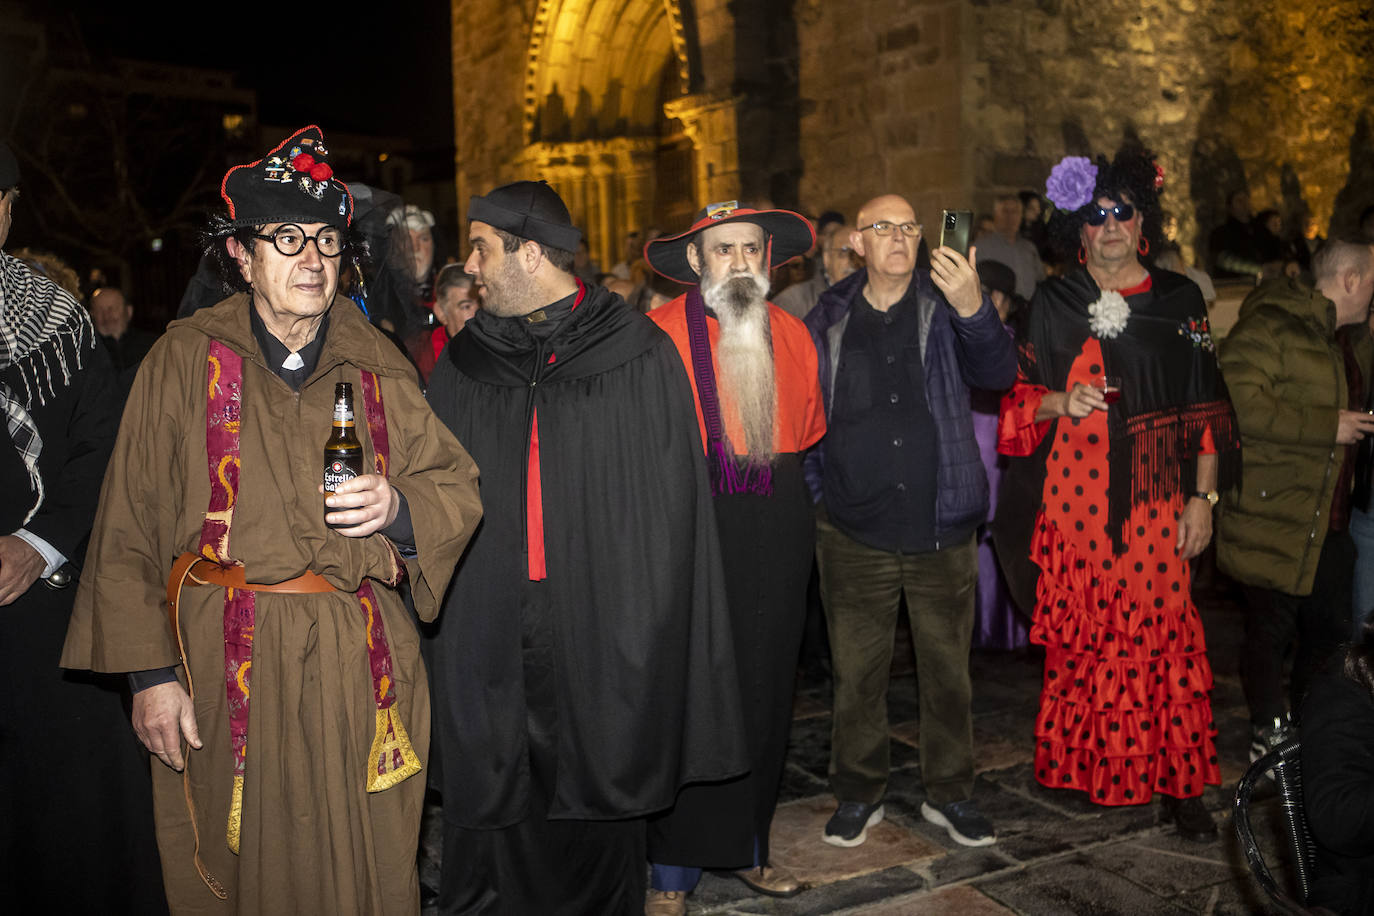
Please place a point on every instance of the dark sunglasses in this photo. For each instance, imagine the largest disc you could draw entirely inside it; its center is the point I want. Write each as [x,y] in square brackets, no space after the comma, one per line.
[1121,212]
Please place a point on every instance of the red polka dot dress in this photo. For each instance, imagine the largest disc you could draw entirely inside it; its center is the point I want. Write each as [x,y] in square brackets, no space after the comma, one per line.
[1125,709]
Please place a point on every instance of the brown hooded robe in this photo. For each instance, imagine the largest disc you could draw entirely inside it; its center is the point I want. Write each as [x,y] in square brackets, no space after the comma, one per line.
[313,839]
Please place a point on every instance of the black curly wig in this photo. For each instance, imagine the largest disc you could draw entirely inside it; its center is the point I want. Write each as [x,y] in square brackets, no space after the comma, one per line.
[1129,178]
[220,227]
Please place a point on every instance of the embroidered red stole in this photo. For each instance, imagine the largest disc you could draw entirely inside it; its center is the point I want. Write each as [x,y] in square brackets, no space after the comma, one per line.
[392,758]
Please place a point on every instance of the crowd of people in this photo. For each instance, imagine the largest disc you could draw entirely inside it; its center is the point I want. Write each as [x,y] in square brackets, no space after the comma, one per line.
[565,585]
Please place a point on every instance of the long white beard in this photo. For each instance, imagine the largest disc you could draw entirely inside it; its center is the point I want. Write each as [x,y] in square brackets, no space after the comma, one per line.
[744,357]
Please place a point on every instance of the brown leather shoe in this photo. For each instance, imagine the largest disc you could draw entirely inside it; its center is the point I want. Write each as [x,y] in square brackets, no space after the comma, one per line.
[771,880]
[665,903]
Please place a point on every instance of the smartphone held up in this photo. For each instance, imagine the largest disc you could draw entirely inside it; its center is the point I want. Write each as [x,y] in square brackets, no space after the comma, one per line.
[956,230]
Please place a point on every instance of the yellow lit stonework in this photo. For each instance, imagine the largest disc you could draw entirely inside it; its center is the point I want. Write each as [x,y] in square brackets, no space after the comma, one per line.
[639,111]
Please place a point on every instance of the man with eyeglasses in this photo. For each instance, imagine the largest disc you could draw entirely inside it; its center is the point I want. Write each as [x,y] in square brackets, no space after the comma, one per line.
[900,491]
[276,672]
[836,262]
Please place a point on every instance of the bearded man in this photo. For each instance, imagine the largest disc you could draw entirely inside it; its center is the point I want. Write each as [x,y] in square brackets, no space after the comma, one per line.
[758,399]
[583,672]
[303,801]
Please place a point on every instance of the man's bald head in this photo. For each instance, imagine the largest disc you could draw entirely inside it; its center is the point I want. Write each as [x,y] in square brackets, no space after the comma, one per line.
[884,203]
[891,256]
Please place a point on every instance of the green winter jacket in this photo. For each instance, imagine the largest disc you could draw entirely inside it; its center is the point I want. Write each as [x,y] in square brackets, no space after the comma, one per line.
[1287,380]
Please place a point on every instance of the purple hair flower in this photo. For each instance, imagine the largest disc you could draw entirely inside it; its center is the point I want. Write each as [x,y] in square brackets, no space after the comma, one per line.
[1071,182]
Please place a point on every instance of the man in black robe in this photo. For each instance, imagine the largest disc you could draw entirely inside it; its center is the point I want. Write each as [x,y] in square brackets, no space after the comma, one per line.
[583,671]
[76,823]
[753,369]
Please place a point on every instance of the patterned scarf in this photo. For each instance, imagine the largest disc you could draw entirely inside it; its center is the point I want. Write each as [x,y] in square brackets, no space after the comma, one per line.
[35,316]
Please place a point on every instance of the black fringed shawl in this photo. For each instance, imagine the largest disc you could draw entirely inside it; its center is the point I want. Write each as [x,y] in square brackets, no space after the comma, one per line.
[1171,386]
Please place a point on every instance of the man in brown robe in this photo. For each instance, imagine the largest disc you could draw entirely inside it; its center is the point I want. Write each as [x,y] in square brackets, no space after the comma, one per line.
[306,805]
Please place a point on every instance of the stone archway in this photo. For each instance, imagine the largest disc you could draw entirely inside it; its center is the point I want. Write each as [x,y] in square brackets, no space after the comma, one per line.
[611,121]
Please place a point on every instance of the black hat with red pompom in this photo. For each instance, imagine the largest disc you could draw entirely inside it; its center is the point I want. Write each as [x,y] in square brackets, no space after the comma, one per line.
[294,183]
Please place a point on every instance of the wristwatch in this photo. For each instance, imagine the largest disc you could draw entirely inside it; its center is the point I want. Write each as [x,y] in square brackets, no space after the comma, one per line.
[1212,496]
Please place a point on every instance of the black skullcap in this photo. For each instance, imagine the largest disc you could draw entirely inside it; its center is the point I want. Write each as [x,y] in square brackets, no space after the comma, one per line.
[9,167]
[294,183]
[528,210]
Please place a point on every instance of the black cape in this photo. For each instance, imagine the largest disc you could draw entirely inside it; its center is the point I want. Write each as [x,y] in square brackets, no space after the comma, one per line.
[76,806]
[1172,395]
[627,641]
[768,543]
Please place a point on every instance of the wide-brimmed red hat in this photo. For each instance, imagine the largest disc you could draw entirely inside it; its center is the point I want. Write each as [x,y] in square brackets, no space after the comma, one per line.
[787,235]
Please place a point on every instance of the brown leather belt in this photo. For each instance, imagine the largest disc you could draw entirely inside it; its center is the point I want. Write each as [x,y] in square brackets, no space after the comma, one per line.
[200,571]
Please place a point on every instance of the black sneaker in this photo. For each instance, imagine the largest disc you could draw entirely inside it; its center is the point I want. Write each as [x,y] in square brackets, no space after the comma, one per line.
[963,822]
[848,826]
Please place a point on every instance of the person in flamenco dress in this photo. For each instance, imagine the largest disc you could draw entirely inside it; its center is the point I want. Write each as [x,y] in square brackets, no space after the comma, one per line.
[1121,432]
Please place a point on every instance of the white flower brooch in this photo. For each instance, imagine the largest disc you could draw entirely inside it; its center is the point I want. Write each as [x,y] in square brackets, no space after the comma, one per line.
[1108,314]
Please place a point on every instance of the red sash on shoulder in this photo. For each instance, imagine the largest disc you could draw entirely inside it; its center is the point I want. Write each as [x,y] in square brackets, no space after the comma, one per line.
[392,758]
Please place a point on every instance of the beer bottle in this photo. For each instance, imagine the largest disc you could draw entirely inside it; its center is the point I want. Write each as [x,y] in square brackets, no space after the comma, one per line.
[343,453]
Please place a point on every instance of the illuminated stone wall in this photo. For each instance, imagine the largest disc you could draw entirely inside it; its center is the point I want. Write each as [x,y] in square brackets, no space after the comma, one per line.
[818,103]
[1258,94]
[606,99]
[490,41]
[881,103]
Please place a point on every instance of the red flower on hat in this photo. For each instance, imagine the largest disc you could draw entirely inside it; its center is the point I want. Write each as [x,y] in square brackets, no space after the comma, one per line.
[303,163]
[1159,176]
[321,171]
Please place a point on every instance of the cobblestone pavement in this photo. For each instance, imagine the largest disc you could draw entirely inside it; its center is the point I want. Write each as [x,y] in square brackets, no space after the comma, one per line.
[1056,852]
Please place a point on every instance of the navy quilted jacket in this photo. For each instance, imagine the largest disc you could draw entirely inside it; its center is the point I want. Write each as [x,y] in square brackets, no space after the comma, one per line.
[957,354]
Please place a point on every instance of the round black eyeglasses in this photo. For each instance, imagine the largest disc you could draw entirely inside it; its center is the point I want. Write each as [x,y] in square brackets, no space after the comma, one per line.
[290,240]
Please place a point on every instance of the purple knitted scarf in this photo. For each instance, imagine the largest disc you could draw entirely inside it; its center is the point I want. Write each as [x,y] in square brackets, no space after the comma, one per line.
[729,474]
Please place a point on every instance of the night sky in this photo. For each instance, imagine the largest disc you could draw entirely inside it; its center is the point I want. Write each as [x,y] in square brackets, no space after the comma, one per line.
[380,68]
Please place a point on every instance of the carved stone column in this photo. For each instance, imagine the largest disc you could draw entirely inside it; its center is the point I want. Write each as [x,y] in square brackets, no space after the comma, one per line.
[711,121]
[634,174]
